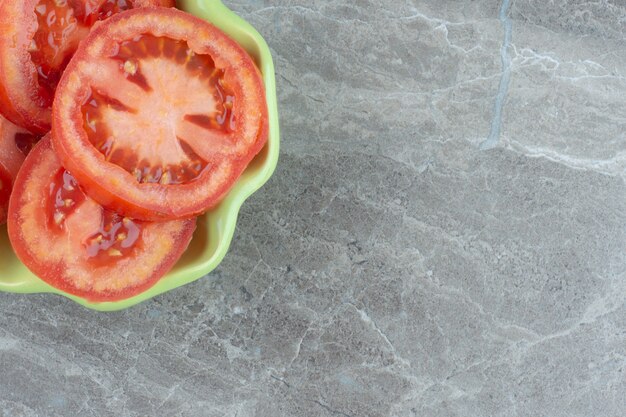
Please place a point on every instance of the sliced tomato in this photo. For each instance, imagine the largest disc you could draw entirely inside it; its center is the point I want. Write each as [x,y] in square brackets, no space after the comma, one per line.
[159,113]
[76,245]
[15,143]
[37,40]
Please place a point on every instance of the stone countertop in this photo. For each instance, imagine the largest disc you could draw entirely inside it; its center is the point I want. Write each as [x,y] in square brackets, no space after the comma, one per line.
[445,234]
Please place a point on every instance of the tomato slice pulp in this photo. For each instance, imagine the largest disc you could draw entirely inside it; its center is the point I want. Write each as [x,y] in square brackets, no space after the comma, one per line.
[76,245]
[159,113]
[15,143]
[37,40]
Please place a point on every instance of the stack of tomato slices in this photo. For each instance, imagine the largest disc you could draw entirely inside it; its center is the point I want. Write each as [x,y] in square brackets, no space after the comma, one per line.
[148,115]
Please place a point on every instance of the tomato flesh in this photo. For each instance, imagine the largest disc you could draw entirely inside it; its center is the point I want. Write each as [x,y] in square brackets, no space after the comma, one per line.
[159,113]
[90,11]
[61,24]
[48,33]
[116,236]
[77,245]
[57,37]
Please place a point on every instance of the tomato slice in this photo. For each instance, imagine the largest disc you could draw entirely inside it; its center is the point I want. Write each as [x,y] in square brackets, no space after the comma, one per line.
[37,40]
[159,113]
[15,143]
[76,245]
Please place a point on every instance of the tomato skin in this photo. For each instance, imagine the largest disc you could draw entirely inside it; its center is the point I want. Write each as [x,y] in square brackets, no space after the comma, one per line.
[20,93]
[113,187]
[59,256]
[153,3]
[18,77]
[12,155]
[6,186]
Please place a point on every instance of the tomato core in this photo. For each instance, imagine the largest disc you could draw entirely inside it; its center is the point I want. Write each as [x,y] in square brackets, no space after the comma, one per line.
[138,62]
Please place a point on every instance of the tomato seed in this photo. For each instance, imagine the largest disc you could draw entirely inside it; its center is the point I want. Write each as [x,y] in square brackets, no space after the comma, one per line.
[58,218]
[66,196]
[115,238]
[130,67]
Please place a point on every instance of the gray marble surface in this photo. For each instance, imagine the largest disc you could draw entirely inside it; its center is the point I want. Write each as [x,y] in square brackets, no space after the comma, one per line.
[445,234]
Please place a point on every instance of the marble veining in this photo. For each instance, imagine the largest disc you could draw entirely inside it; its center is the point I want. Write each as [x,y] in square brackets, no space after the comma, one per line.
[496,124]
[444,236]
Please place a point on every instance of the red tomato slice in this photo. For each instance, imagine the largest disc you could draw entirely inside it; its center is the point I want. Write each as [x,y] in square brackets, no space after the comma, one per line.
[37,40]
[15,143]
[76,245]
[158,114]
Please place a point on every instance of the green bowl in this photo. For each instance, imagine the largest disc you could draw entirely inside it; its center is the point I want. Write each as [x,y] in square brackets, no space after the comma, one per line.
[215,228]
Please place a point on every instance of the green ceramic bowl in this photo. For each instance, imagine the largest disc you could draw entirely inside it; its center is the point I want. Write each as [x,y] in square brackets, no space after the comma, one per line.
[215,228]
